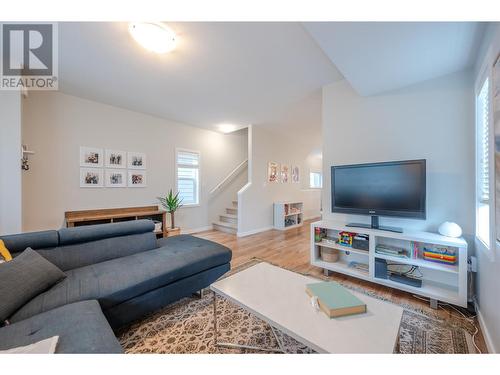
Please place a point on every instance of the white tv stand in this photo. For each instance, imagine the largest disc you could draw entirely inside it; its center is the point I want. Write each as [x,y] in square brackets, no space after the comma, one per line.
[440,282]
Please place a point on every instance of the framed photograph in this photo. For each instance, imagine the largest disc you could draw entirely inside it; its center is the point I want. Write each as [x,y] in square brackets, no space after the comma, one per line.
[295,174]
[115,159]
[91,177]
[115,178]
[136,179]
[91,157]
[273,172]
[285,173]
[136,160]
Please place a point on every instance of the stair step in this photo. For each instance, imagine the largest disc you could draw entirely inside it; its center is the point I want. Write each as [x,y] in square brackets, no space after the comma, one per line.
[229,218]
[232,210]
[225,227]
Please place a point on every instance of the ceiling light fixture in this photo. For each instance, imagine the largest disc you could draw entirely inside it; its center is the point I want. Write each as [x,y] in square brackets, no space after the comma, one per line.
[154,36]
[227,128]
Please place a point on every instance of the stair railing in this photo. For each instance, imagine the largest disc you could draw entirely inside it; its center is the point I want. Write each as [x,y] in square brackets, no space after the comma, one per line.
[236,171]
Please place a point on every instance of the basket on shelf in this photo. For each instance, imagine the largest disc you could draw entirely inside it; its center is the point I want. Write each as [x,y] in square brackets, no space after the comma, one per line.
[329,255]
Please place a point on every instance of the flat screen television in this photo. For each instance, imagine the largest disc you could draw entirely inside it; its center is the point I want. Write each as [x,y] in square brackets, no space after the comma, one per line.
[396,188]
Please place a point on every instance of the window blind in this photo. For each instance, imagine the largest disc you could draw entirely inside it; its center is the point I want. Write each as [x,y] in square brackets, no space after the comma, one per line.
[484,142]
[188,176]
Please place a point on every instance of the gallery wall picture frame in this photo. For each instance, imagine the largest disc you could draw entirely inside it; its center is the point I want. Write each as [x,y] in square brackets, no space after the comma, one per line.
[115,159]
[91,177]
[91,157]
[115,178]
[136,160]
[273,172]
[137,179]
[295,174]
[285,173]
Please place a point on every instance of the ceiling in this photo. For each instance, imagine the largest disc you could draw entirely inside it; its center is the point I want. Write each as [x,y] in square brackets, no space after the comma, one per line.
[268,74]
[244,73]
[380,56]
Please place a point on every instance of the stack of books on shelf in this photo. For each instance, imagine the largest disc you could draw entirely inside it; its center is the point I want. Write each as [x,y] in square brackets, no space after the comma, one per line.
[391,250]
[414,250]
[438,254]
[334,300]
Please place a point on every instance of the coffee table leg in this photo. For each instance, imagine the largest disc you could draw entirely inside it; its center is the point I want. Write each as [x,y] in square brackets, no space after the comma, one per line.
[215,319]
[239,346]
[278,340]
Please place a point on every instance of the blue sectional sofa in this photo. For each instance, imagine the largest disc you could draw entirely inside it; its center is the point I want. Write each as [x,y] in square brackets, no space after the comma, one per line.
[115,274]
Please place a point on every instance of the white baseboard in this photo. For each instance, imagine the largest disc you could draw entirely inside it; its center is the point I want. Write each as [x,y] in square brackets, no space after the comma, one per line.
[196,230]
[253,231]
[314,217]
[484,330]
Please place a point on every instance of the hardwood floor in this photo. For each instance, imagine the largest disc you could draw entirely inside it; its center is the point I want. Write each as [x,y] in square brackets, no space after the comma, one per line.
[290,250]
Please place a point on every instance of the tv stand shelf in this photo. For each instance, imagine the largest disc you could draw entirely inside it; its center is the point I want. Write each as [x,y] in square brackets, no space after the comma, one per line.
[440,282]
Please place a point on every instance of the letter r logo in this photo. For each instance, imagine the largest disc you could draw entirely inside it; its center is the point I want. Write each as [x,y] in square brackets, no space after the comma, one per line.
[27,49]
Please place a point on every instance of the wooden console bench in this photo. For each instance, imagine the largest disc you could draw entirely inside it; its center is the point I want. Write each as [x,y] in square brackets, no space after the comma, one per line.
[114,215]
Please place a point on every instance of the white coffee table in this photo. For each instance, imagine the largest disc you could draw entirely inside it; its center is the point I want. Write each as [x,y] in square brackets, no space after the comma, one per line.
[279,298]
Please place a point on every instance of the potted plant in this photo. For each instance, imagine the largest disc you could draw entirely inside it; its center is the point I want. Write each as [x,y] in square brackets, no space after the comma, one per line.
[171,203]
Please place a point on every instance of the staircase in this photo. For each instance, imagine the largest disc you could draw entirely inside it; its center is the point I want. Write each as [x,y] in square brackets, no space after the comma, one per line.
[228,222]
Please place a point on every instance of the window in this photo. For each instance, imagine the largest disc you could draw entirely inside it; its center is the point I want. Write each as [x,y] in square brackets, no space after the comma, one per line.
[483,139]
[315,180]
[188,176]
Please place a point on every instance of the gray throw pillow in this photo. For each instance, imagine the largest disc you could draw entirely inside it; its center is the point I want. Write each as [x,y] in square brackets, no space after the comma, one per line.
[23,278]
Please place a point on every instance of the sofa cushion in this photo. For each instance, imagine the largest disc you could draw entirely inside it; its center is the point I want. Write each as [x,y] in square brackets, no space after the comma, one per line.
[115,281]
[5,255]
[82,234]
[17,243]
[83,254]
[81,327]
[81,246]
[23,278]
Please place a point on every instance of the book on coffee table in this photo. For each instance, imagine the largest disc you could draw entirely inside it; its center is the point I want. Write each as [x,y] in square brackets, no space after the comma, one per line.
[335,300]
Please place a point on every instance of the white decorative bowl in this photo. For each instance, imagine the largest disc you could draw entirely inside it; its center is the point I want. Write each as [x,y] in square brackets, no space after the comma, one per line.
[450,229]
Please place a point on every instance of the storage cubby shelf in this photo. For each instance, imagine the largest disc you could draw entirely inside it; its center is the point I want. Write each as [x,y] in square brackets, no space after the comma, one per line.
[420,263]
[342,267]
[442,282]
[288,215]
[342,248]
[430,289]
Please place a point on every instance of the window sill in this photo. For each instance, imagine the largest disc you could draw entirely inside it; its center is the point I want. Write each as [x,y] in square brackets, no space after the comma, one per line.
[190,205]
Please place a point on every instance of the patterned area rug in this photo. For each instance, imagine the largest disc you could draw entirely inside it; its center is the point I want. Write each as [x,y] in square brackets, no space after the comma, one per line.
[187,327]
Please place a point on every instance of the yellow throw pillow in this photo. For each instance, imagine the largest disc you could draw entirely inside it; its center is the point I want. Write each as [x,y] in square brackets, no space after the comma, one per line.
[4,252]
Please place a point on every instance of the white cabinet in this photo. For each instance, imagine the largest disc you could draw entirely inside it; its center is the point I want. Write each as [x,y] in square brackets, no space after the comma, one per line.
[442,282]
[288,215]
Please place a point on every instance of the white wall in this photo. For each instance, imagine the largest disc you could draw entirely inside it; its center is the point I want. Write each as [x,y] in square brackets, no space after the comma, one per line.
[229,192]
[256,201]
[10,162]
[488,276]
[432,120]
[55,125]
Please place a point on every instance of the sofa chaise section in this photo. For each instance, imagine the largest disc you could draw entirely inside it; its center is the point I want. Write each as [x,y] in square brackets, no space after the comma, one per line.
[117,272]
[119,280]
[81,327]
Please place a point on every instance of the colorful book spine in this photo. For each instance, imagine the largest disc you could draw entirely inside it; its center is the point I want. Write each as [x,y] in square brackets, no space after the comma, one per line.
[439,257]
